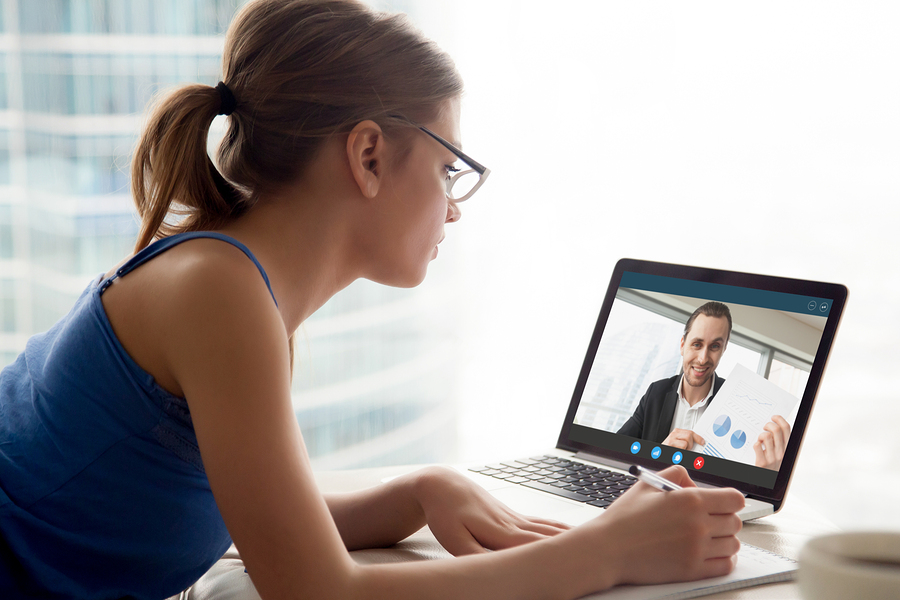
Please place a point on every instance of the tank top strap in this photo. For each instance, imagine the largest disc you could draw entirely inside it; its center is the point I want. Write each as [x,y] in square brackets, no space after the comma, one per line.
[160,246]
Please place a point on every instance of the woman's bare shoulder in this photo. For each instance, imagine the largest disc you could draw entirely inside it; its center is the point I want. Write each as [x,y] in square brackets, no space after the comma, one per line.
[200,292]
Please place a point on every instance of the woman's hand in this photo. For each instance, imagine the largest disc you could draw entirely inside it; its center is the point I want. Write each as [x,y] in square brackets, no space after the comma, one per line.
[466,519]
[672,536]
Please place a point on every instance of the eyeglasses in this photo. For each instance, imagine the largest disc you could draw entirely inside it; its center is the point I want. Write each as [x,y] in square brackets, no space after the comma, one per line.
[462,184]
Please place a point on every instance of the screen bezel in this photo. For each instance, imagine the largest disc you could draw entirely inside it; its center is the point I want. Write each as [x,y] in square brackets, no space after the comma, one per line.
[835,292]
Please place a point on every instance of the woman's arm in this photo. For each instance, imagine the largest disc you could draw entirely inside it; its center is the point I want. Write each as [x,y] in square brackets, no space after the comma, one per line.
[228,350]
[463,516]
[651,537]
[378,516]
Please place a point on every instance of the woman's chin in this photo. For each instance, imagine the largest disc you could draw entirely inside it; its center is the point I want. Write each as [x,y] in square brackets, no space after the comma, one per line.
[404,279]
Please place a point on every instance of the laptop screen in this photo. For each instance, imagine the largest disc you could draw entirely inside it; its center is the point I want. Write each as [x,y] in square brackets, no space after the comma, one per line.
[713,370]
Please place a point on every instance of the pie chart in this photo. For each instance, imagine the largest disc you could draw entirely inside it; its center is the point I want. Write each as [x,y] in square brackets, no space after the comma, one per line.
[721,425]
[738,439]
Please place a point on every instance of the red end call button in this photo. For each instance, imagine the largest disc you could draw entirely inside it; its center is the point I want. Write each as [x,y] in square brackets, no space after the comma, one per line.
[698,462]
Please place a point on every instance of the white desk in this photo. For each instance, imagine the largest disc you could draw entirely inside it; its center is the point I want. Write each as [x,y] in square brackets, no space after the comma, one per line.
[783,533]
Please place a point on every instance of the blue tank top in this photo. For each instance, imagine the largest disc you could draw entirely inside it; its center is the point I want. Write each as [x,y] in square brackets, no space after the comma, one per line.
[102,488]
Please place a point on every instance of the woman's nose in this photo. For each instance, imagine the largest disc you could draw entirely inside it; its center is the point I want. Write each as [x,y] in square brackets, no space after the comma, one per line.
[453,212]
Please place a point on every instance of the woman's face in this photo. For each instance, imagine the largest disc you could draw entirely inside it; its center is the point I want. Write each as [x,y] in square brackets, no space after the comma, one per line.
[415,203]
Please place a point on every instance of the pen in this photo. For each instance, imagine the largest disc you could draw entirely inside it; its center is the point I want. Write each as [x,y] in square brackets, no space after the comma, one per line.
[651,478]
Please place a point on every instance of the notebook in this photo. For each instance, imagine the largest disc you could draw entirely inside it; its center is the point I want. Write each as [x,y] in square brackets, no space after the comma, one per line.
[755,566]
[767,362]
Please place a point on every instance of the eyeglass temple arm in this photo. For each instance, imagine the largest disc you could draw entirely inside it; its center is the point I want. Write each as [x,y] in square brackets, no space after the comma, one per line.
[477,166]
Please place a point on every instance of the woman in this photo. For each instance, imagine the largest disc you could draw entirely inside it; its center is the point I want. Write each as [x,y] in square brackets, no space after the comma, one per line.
[153,425]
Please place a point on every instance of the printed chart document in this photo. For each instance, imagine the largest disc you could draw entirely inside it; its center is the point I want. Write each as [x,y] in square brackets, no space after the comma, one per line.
[755,566]
[742,407]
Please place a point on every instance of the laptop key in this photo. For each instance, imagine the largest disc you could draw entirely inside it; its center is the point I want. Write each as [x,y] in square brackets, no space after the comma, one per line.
[599,495]
[558,491]
[603,503]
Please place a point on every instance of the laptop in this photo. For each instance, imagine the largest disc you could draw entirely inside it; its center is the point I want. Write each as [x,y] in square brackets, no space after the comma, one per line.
[623,406]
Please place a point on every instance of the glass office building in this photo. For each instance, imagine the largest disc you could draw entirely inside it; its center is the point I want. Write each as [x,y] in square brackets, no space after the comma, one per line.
[373,381]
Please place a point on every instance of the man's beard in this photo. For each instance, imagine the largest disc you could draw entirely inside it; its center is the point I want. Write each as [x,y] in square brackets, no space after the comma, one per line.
[694,381]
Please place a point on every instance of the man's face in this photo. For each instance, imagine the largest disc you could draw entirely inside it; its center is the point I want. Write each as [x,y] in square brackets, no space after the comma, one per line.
[702,348]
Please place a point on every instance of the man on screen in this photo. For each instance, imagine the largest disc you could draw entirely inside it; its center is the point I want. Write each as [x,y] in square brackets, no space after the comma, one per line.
[671,407]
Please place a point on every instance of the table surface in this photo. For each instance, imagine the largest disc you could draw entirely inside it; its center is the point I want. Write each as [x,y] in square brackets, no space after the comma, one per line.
[783,533]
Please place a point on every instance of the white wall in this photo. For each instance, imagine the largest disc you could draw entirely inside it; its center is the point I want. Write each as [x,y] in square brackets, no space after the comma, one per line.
[754,136]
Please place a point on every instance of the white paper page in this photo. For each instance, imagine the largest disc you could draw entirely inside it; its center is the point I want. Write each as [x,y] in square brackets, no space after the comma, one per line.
[754,567]
[742,407]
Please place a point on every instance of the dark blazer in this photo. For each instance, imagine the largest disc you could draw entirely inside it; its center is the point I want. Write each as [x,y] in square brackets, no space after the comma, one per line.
[652,419]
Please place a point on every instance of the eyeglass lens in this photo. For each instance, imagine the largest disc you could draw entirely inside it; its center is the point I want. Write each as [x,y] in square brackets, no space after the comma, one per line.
[461,184]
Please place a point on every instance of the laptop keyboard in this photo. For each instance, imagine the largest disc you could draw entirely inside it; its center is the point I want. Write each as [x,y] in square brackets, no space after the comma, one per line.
[562,477]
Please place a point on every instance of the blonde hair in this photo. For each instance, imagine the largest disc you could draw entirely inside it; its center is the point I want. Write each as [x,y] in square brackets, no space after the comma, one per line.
[299,71]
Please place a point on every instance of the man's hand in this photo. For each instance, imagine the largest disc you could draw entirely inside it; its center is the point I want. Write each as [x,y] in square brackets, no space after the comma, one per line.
[772,442]
[684,439]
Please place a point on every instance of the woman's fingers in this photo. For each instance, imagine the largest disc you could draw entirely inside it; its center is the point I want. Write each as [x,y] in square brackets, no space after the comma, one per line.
[545,526]
[511,539]
[723,501]
[459,542]
[678,474]
[513,529]
[717,567]
[723,525]
[720,547]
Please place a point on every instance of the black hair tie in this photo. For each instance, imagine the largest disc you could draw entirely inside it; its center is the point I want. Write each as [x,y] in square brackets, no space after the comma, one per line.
[228,103]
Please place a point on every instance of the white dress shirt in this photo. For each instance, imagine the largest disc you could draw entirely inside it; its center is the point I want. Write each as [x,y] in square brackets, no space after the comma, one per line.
[686,416]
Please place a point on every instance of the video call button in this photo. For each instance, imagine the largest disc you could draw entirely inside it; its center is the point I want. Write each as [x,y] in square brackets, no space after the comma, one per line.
[635,447]
[698,462]
[676,458]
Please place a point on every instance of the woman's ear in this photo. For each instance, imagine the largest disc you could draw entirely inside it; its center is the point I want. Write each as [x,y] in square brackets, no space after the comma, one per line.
[366,153]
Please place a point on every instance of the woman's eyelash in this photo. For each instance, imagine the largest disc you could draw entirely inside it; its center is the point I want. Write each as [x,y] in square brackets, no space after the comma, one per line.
[452,169]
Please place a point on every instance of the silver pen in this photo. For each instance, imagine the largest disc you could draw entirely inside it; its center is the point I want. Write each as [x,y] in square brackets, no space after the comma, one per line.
[651,478]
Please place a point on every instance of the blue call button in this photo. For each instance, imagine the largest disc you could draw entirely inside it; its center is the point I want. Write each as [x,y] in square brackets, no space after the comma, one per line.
[656,452]
[635,447]
[676,458]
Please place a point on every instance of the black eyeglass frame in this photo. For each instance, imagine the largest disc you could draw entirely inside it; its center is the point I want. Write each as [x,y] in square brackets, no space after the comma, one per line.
[476,166]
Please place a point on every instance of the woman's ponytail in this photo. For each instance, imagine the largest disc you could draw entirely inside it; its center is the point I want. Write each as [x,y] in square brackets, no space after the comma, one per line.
[172,174]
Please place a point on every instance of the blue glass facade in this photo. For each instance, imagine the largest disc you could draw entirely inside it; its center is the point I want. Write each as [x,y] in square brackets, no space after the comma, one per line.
[107,83]
[126,17]
[373,383]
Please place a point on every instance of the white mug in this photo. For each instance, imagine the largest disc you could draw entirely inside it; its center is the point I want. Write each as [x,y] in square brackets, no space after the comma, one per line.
[844,566]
